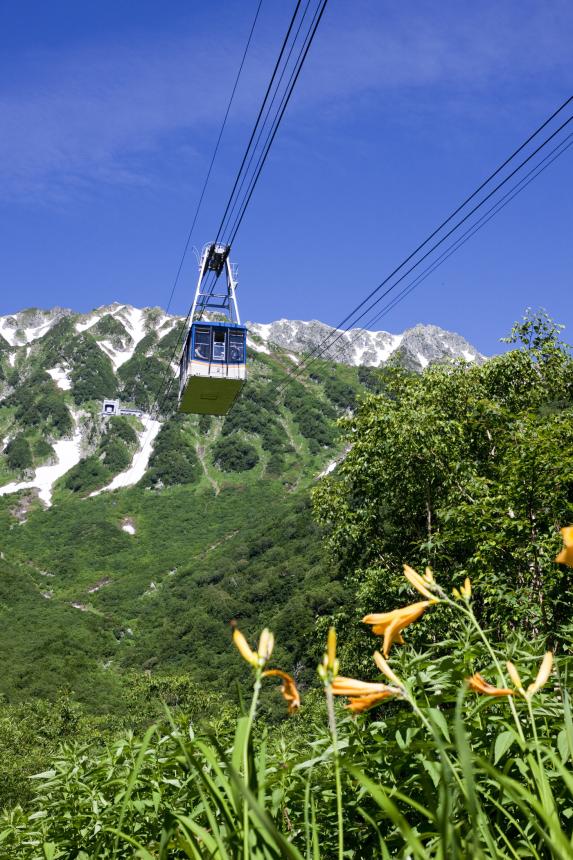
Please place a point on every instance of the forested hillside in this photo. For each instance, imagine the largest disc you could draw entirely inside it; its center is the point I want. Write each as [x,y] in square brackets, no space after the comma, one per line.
[133,541]
[121,586]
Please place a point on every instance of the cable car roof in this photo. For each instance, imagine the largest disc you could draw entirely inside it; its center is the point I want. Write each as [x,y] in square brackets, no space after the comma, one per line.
[219,324]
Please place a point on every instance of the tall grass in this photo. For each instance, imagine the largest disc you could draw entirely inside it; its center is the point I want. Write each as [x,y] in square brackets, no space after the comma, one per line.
[457,758]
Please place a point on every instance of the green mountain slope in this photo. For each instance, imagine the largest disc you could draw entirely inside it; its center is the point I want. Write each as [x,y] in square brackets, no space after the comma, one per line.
[151,575]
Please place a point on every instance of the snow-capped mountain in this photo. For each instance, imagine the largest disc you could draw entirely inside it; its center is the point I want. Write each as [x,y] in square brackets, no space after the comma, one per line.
[57,366]
[417,346]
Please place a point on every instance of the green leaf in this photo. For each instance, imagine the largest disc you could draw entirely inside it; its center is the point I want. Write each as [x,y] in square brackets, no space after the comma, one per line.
[503,742]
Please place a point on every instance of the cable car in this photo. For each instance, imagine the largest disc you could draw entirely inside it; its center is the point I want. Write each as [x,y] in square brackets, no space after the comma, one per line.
[213,366]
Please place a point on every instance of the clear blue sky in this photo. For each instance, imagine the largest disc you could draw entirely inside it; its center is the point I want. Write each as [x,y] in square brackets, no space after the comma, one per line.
[109,112]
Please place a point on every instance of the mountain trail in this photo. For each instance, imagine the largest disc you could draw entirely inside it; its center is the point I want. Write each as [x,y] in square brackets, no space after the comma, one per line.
[200,449]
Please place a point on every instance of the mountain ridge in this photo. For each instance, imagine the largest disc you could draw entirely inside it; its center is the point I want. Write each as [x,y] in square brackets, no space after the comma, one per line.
[56,366]
[420,344]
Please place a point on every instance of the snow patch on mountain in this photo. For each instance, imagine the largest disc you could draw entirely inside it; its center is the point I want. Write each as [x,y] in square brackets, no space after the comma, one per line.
[36,332]
[418,346]
[90,321]
[30,325]
[61,377]
[8,328]
[258,347]
[68,453]
[140,460]
[136,321]
[118,357]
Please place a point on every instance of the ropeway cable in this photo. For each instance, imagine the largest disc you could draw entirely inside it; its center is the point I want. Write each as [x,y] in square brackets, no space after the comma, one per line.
[306,43]
[227,221]
[450,217]
[520,186]
[258,119]
[323,345]
[196,215]
[294,77]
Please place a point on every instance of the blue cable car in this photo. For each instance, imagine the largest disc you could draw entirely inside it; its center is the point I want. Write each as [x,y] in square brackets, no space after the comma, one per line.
[213,367]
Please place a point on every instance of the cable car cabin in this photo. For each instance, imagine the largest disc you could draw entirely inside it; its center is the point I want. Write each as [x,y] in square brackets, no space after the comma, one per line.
[213,367]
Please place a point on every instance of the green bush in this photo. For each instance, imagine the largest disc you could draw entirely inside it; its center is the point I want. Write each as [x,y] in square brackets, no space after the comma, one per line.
[119,426]
[141,378]
[116,456]
[19,454]
[452,467]
[110,328]
[233,454]
[447,766]
[205,423]
[87,475]
[174,460]
[314,420]
[42,450]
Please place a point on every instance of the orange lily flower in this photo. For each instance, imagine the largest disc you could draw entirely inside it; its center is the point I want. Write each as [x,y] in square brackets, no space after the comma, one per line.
[351,687]
[566,554]
[289,689]
[391,624]
[421,583]
[244,648]
[542,676]
[515,678]
[385,669]
[360,704]
[480,685]
[362,695]
[465,592]
[328,668]
[255,658]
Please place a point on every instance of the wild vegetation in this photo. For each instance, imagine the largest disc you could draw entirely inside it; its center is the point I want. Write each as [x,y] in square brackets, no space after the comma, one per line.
[455,743]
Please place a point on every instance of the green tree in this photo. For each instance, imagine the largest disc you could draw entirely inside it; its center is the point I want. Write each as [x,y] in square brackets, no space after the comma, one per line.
[464,467]
[233,454]
[19,453]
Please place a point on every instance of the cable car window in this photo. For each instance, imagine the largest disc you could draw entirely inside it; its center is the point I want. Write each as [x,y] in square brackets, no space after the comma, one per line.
[219,337]
[202,344]
[236,347]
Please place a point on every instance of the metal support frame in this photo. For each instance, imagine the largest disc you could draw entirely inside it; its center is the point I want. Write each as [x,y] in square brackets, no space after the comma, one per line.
[215,258]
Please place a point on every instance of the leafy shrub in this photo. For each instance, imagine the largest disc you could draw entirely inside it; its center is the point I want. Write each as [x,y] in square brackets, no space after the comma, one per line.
[37,401]
[371,378]
[141,378]
[89,474]
[233,454]
[312,419]
[119,426]
[275,465]
[92,373]
[174,460]
[205,422]
[42,450]
[452,467]
[342,394]
[450,766]
[254,413]
[19,454]
[116,456]
[112,329]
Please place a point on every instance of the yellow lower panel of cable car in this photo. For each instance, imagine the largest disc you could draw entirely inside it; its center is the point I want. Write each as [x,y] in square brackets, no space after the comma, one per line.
[204,395]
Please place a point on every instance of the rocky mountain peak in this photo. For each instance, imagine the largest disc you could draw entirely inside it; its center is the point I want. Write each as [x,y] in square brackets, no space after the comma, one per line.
[417,346]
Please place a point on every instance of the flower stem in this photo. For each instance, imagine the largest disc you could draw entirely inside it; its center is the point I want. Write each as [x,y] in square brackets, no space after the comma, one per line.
[334,736]
[470,613]
[250,720]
